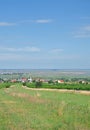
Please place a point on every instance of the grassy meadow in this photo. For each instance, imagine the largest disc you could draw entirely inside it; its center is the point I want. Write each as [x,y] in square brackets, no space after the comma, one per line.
[24,109]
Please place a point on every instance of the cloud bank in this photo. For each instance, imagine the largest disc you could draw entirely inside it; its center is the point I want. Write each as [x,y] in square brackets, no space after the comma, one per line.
[24,49]
[83,32]
[39,21]
[6,24]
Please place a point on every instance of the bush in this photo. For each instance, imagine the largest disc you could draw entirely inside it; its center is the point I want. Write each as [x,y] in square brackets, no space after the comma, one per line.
[5,85]
[24,84]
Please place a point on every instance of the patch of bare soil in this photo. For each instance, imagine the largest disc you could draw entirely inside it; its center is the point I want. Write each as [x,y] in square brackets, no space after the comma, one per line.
[36,98]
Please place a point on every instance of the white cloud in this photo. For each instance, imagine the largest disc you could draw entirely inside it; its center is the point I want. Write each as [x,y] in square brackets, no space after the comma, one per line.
[55,51]
[43,21]
[87,28]
[36,21]
[6,24]
[83,32]
[24,49]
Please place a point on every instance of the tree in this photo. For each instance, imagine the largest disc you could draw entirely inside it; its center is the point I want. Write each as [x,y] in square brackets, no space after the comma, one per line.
[50,81]
[38,84]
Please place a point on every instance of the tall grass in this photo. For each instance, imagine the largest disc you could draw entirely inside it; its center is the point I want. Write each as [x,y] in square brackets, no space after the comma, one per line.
[22,109]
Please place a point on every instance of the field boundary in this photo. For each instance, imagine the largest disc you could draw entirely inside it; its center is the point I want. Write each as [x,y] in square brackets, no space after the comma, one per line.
[59,90]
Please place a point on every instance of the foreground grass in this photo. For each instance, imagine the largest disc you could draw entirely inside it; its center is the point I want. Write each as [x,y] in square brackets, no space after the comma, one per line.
[22,109]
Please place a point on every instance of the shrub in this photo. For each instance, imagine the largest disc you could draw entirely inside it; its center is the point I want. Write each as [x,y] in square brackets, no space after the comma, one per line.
[5,85]
[24,84]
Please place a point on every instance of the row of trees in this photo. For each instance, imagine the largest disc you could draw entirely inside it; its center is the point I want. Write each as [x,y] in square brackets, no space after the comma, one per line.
[73,86]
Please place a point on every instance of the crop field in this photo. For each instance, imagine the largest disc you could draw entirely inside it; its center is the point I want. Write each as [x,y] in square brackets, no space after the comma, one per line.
[26,109]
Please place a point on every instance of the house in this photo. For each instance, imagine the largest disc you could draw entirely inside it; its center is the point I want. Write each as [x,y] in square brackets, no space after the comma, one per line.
[82,82]
[23,80]
[30,80]
[60,81]
[13,80]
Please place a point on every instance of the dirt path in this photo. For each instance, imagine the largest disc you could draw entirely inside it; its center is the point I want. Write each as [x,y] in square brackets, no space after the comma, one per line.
[59,90]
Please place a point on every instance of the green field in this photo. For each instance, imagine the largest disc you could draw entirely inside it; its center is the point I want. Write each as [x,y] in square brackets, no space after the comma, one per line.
[23,109]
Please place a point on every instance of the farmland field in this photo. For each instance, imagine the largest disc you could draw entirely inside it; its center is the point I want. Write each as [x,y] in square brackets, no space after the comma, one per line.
[44,73]
[24,109]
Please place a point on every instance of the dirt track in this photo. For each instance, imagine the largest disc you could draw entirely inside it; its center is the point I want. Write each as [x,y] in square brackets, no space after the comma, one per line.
[59,90]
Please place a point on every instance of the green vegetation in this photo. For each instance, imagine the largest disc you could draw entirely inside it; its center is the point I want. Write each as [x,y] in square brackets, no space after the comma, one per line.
[59,86]
[23,109]
[38,84]
[5,85]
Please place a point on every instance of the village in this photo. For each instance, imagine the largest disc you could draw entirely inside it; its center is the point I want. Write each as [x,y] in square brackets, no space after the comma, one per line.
[31,80]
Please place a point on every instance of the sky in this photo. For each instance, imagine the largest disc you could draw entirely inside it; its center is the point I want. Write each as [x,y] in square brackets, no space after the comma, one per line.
[44,34]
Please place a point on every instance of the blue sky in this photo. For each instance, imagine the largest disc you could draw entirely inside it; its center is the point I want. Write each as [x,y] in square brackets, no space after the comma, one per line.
[51,34]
